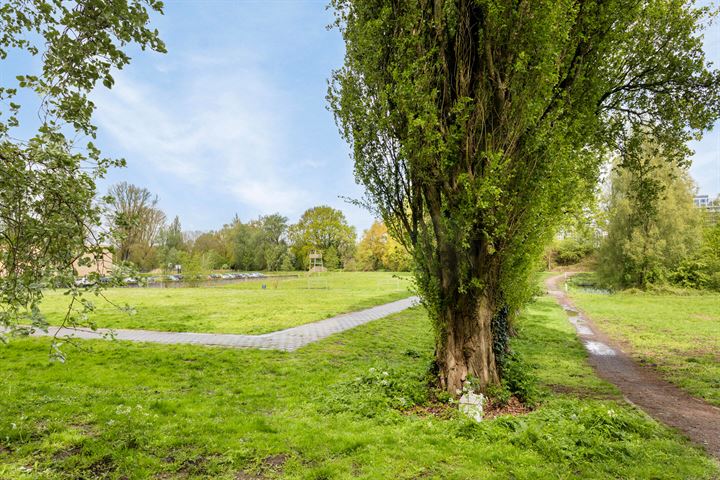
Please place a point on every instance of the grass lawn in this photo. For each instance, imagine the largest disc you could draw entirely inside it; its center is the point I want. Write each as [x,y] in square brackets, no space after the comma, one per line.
[239,307]
[680,334]
[337,409]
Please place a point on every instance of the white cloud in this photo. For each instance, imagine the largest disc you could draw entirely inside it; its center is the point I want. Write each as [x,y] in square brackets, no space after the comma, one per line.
[223,131]
[268,196]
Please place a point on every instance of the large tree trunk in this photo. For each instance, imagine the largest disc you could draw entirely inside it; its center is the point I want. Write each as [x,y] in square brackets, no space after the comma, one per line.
[466,347]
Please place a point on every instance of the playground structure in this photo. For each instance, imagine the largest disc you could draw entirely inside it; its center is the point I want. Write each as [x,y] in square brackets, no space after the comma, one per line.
[315,269]
[316,262]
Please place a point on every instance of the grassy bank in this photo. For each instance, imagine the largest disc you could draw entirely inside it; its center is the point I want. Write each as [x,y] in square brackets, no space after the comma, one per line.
[239,307]
[679,334]
[351,406]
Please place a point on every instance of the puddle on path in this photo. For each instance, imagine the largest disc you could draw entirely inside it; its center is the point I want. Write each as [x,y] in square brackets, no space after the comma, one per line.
[584,330]
[581,327]
[599,348]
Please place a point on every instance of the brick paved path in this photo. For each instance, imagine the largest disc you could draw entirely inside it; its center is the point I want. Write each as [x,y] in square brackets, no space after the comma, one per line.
[288,340]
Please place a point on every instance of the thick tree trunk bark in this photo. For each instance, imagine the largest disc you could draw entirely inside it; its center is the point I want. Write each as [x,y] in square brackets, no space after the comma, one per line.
[466,349]
[465,346]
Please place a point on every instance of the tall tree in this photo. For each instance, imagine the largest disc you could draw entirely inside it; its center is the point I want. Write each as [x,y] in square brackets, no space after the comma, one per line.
[171,244]
[371,249]
[134,218]
[257,245]
[172,236]
[47,183]
[378,250]
[325,229]
[710,253]
[209,242]
[247,240]
[275,227]
[212,248]
[475,124]
[396,257]
[653,224]
[274,245]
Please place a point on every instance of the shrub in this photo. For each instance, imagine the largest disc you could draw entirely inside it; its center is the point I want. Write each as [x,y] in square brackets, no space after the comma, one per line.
[570,251]
[499,394]
[518,379]
[691,274]
[714,280]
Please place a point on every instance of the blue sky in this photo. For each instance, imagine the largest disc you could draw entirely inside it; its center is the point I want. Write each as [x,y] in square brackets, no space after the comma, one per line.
[233,118]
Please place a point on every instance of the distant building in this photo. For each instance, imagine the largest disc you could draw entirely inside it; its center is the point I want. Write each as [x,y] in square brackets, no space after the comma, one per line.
[702,201]
[101,265]
[712,207]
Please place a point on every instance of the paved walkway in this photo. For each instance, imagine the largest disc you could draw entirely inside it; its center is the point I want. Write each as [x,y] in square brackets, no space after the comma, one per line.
[642,386]
[288,340]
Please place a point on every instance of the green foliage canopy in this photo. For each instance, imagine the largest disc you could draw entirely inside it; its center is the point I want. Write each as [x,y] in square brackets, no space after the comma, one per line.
[378,250]
[325,229]
[135,221]
[476,124]
[47,184]
[259,244]
[80,43]
[710,254]
[652,223]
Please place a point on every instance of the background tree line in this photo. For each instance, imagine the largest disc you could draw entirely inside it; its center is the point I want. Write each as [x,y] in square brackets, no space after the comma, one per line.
[645,230]
[142,236]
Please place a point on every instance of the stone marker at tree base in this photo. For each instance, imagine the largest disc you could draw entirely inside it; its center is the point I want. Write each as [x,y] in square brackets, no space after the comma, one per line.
[471,405]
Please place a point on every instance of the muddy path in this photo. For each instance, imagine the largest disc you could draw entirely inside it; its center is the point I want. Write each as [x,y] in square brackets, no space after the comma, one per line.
[640,385]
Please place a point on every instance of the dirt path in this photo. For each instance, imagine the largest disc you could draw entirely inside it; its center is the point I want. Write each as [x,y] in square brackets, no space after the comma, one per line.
[642,385]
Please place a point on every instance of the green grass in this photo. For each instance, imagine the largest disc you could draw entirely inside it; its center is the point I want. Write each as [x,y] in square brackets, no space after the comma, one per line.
[679,334]
[239,307]
[147,411]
